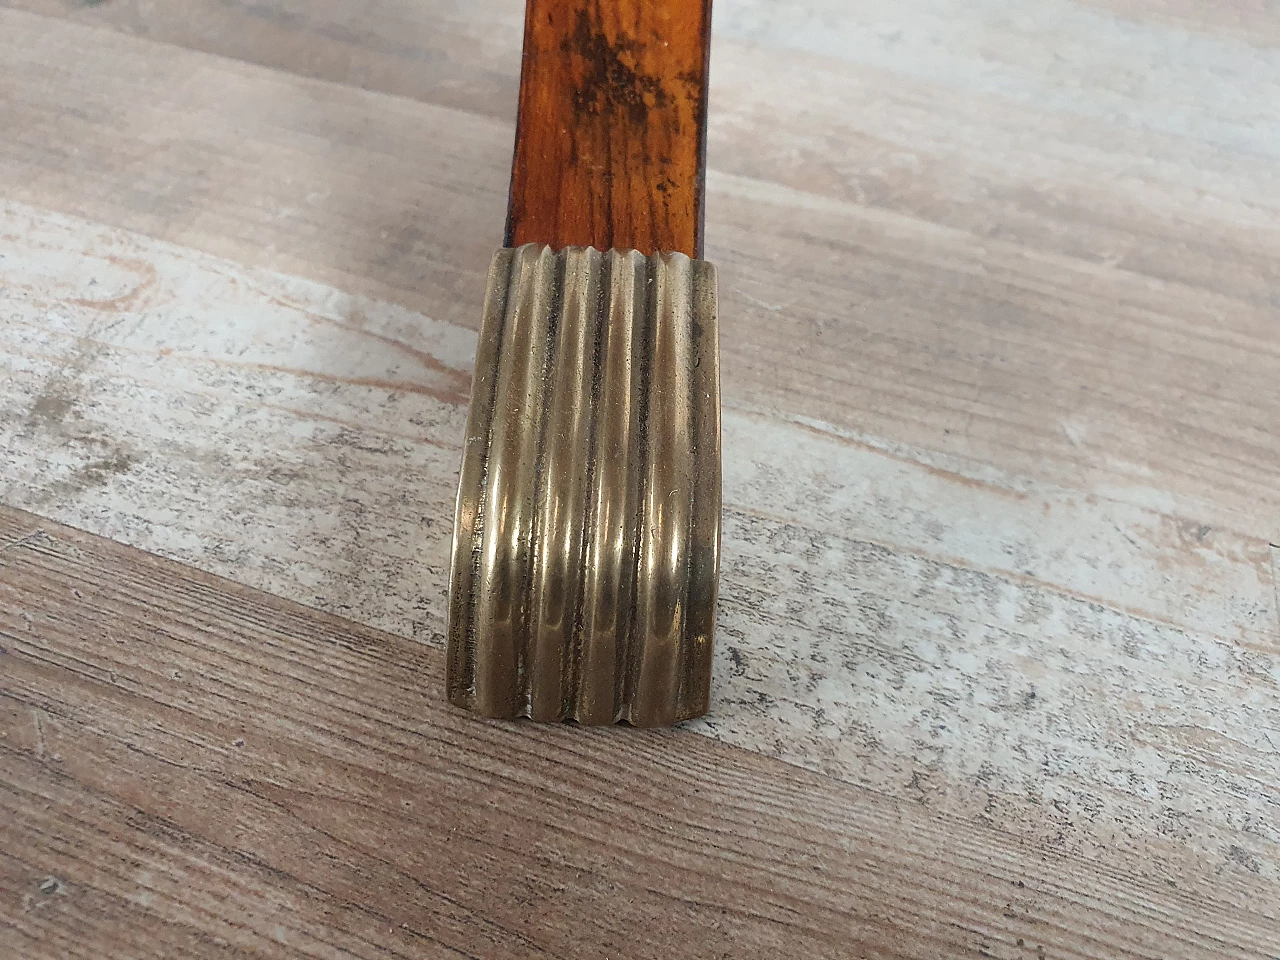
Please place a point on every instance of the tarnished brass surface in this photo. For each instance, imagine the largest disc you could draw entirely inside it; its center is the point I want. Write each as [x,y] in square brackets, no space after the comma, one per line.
[587,537]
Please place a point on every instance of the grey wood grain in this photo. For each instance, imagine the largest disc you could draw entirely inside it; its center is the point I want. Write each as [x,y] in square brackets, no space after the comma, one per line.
[1000,365]
[192,768]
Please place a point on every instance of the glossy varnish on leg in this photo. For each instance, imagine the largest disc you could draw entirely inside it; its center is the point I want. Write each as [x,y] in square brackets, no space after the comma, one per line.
[612,126]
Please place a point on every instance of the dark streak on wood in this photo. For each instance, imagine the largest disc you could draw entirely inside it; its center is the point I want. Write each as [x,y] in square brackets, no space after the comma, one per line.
[611,135]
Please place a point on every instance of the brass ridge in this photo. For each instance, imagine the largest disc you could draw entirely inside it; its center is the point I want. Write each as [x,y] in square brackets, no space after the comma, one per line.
[587,536]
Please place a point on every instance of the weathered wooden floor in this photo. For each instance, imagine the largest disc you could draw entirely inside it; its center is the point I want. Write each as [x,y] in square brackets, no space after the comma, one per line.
[998,666]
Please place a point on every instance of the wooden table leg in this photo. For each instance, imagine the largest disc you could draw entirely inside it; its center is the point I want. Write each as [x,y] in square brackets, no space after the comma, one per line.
[586,544]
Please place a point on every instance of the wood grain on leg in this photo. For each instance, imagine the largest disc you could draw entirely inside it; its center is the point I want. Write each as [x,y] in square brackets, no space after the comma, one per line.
[611,135]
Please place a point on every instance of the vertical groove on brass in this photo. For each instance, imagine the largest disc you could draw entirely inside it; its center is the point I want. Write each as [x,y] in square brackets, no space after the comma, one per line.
[704,530]
[608,585]
[562,498]
[631,642]
[668,486]
[501,615]
[470,508]
[586,546]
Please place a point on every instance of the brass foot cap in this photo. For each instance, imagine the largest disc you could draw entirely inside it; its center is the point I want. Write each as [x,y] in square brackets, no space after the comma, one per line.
[586,543]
